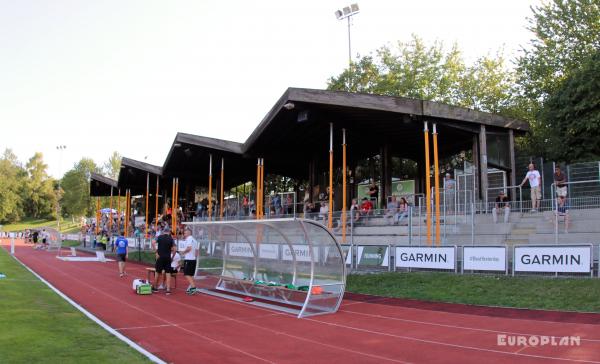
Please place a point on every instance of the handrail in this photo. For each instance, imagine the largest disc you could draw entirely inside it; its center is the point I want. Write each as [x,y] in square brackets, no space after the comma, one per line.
[506,188]
[555,203]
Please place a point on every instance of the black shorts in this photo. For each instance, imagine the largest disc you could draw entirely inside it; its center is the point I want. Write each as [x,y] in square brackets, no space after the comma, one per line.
[122,257]
[44,241]
[189,267]
[163,264]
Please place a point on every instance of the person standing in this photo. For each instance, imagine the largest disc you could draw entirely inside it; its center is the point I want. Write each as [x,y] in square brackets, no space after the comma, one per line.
[535,182]
[164,244]
[560,182]
[189,253]
[373,193]
[449,193]
[122,253]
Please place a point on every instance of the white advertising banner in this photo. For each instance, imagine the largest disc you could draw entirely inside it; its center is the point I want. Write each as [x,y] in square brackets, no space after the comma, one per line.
[240,250]
[420,257]
[484,258]
[349,256]
[269,251]
[302,253]
[563,259]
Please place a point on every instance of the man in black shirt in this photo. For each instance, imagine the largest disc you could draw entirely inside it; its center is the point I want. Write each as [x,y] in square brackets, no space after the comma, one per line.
[502,203]
[374,194]
[164,244]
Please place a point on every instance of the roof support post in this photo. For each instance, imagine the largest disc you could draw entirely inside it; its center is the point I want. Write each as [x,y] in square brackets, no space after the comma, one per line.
[513,165]
[344,173]
[475,186]
[156,207]
[210,187]
[110,220]
[222,180]
[330,217]
[437,185]
[386,174]
[146,202]
[483,165]
[427,184]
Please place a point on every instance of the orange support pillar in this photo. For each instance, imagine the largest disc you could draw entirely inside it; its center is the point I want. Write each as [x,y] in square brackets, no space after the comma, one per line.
[427,184]
[437,186]
[330,217]
[344,185]
[210,187]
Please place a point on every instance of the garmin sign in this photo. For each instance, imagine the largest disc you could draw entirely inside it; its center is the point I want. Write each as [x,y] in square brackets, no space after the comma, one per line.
[562,259]
[430,258]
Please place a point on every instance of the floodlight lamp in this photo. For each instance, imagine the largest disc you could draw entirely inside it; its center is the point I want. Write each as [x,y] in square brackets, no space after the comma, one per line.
[289,106]
[354,8]
[176,145]
[347,11]
[338,14]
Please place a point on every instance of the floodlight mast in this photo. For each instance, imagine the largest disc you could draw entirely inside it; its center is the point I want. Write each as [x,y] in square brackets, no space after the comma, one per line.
[347,13]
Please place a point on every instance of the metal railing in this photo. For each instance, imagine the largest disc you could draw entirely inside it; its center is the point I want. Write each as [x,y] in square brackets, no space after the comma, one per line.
[518,202]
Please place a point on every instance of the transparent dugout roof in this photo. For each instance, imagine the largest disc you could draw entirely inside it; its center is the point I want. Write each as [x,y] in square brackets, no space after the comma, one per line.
[292,265]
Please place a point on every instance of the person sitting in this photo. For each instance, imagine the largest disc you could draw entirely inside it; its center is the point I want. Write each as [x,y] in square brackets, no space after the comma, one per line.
[366,207]
[562,210]
[324,212]
[354,211]
[502,203]
[402,210]
[391,211]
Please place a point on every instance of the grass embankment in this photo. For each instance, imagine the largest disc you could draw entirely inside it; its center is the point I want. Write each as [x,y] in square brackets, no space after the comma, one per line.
[38,326]
[66,226]
[574,294]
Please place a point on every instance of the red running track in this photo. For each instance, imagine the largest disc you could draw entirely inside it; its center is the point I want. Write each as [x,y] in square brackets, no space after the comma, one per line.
[367,329]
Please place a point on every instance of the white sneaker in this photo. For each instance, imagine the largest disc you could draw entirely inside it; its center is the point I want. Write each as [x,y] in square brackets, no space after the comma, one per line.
[161,287]
[533,210]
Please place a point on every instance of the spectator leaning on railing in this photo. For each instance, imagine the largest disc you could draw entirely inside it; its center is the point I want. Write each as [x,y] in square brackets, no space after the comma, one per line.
[535,182]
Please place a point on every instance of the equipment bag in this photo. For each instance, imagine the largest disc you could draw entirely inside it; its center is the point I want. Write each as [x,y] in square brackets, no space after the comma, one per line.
[141,286]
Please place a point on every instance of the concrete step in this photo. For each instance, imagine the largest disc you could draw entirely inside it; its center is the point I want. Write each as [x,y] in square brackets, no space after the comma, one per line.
[522,230]
[566,238]
[516,241]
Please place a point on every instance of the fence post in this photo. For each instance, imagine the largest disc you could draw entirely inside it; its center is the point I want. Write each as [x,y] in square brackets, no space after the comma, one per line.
[410,212]
[472,224]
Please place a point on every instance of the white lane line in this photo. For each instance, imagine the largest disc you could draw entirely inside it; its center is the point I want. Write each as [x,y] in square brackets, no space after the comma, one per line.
[457,326]
[441,343]
[161,319]
[118,335]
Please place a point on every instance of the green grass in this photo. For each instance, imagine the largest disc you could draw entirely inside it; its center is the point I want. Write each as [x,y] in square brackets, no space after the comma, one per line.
[70,243]
[40,327]
[523,292]
[66,226]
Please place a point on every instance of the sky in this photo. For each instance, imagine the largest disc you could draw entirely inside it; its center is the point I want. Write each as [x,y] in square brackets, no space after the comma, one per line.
[126,76]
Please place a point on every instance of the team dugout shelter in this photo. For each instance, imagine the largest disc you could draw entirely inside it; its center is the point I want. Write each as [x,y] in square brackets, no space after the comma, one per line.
[321,138]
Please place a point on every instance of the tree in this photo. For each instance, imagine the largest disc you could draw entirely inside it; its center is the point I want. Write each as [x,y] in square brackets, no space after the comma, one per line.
[419,71]
[13,178]
[39,194]
[566,32]
[112,167]
[76,200]
[572,114]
